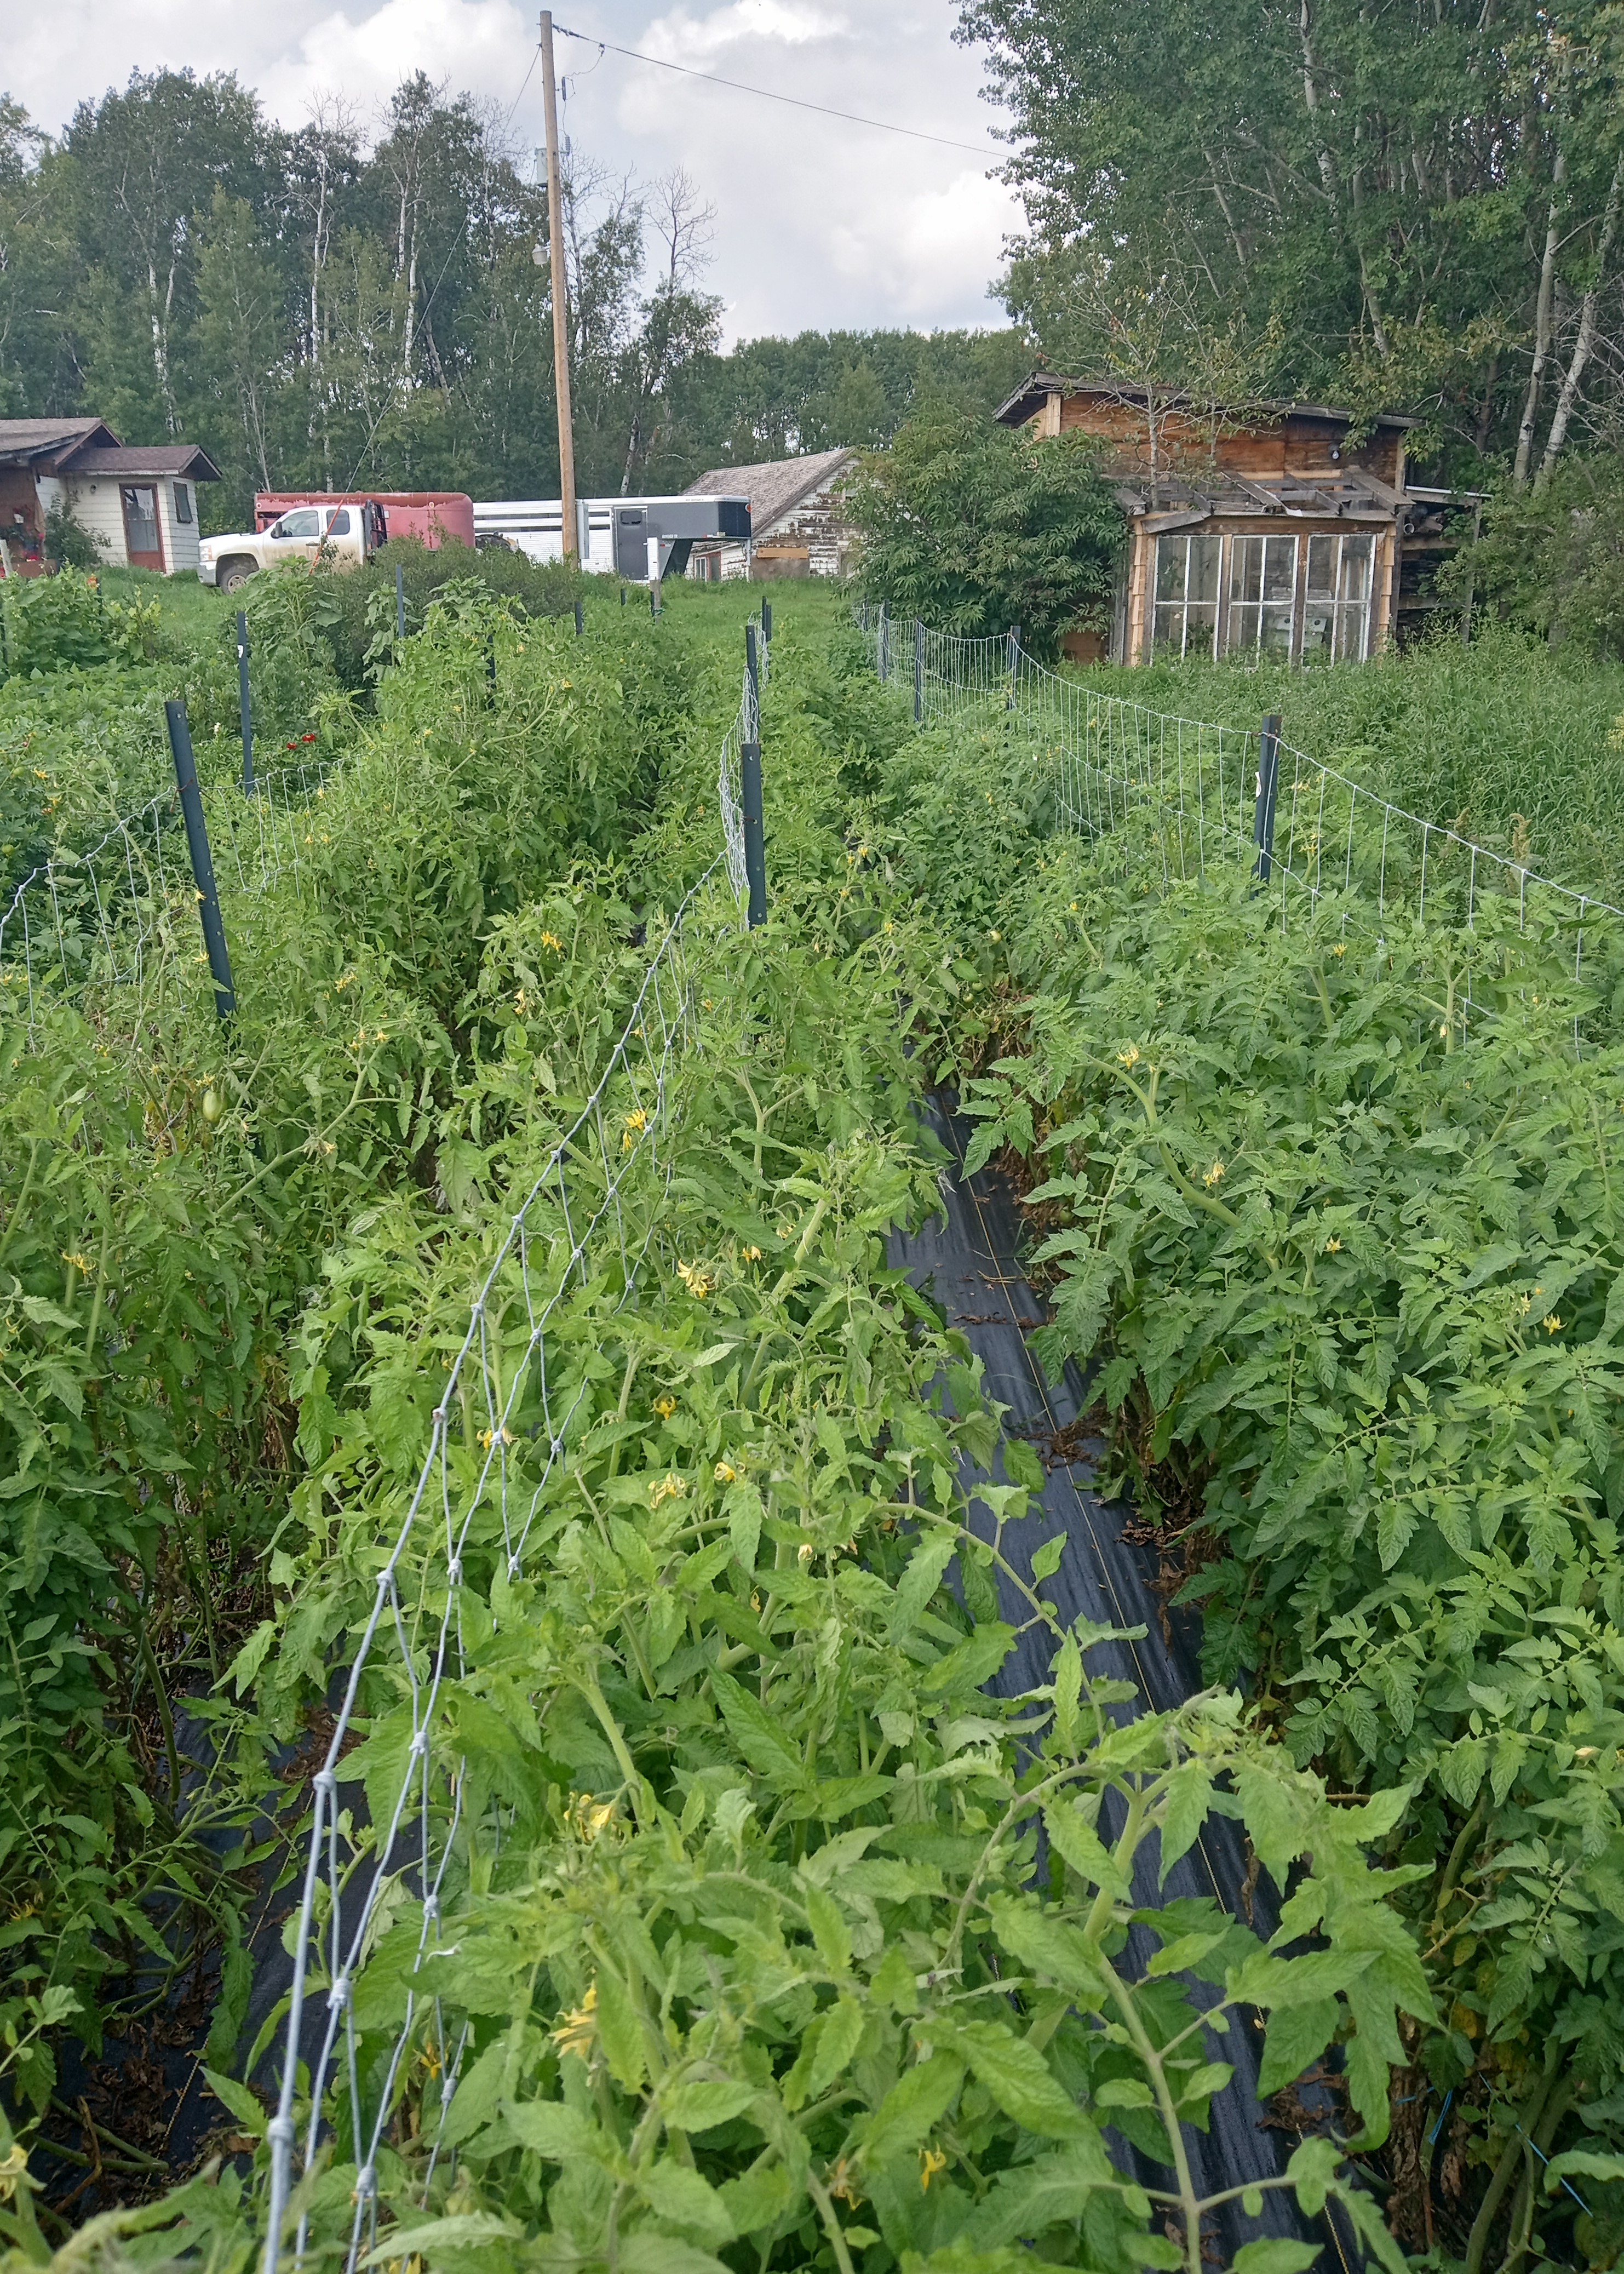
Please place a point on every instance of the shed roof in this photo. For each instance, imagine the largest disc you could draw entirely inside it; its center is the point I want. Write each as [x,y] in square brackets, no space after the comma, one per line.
[1032,393]
[776,486]
[24,442]
[120,464]
[1350,494]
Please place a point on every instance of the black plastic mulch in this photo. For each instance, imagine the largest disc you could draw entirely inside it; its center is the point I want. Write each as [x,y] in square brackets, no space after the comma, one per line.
[966,1259]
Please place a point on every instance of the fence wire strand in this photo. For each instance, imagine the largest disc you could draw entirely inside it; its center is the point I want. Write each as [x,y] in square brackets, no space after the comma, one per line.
[1195,785]
[123,911]
[596,1204]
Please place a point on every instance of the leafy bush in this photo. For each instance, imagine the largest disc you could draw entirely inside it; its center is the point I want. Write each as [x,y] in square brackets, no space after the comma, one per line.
[974,529]
[1551,559]
[68,543]
[52,623]
[359,603]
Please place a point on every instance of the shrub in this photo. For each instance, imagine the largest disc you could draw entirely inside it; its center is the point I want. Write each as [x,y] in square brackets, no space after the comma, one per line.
[52,623]
[976,529]
[68,543]
[358,601]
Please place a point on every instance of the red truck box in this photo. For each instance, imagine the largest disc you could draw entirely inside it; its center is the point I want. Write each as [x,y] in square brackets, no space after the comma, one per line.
[432,515]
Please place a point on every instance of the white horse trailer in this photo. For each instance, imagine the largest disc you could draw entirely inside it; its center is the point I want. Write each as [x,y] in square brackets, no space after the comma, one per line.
[618,536]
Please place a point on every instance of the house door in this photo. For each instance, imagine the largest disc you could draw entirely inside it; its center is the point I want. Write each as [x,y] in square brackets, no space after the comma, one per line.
[143,544]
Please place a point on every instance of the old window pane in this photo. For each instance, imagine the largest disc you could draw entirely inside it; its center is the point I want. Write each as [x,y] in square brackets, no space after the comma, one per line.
[182,505]
[140,504]
[1262,591]
[1185,611]
[1337,618]
[1353,598]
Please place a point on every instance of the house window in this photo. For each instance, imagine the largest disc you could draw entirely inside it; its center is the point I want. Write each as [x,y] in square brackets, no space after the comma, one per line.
[182,505]
[1262,595]
[1337,610]
[1186,612]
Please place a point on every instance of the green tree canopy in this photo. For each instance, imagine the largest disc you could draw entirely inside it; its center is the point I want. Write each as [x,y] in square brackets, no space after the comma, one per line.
[976,528]
[1412,207]
[317,310]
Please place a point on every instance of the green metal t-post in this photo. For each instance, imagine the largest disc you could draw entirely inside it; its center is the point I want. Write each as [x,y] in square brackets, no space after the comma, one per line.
[1268,784]
[919,672]
[202,860]
[400,599]
[750,784]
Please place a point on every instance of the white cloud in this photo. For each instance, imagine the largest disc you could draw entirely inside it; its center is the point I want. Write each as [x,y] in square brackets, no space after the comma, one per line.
[820,223]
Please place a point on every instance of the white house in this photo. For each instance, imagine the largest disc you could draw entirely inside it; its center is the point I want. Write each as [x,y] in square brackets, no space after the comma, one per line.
[138,504]
[797,526]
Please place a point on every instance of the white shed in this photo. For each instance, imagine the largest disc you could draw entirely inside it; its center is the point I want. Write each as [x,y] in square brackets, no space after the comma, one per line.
[138,503]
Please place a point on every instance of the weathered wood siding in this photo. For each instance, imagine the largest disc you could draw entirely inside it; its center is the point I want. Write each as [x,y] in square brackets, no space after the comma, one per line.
[1295,445]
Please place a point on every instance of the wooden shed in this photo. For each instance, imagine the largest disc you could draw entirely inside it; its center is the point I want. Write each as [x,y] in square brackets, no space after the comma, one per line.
[138,503]
[1278,534]
[798,528]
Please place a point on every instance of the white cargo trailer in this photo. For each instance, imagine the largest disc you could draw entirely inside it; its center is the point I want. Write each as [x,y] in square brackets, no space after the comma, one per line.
[614,536]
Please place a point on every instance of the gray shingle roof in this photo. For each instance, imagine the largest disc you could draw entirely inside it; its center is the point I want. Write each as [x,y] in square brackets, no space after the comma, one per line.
[24,438]
[136,459]
[775,487]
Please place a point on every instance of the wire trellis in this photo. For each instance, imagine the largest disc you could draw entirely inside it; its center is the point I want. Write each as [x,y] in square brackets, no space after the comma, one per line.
[105,917]
[595,1206]
[1195,786]
[730,781]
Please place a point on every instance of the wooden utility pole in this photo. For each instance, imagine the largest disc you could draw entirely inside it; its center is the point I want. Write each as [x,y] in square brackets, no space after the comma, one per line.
[560,292]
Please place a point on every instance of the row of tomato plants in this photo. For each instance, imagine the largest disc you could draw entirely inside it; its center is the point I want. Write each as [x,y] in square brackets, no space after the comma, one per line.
[1331,1211]
[744,1958]
[169,1190]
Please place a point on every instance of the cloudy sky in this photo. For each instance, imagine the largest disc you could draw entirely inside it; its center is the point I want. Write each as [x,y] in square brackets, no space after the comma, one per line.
[818,223]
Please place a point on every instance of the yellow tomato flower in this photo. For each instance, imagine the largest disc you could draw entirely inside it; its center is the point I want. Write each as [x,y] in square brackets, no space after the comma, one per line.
[577,2031]
[1215,1175]
[931,2160]
[664,1407]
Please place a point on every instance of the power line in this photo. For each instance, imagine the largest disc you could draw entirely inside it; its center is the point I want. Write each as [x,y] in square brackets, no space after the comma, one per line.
[770,95]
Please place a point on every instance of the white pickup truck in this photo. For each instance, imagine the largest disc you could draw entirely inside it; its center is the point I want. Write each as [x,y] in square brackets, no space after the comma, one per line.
[344,536]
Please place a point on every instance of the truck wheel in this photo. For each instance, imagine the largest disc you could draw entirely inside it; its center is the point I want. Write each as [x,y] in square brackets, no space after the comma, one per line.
[234,574]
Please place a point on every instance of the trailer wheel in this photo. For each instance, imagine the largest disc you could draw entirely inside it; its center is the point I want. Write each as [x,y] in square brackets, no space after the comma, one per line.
[234,573]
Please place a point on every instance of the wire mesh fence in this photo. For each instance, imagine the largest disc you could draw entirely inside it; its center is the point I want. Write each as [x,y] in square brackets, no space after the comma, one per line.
[121,914]
[497,1456]
[1199,792]
[746,728]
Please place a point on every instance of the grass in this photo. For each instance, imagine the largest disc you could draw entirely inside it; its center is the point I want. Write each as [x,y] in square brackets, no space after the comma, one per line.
[188,607]
[1508,741]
